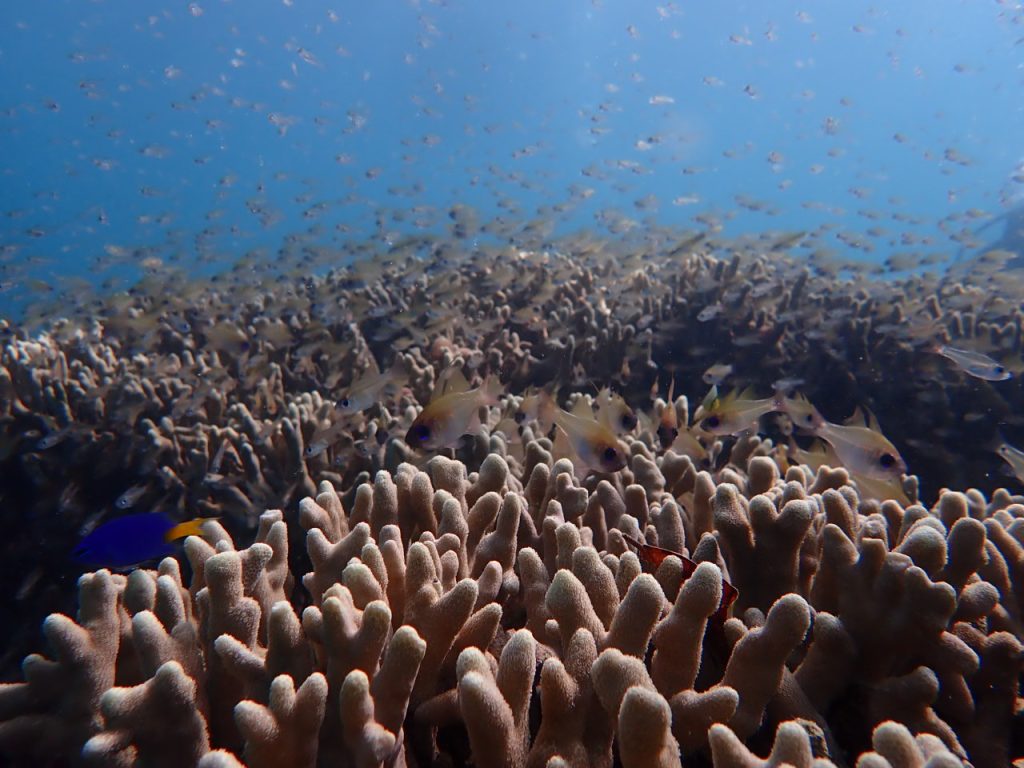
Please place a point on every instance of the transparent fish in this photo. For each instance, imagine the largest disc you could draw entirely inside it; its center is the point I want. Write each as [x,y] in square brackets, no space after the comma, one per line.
[860,448]
[594,445]
[735,413]
[368,389]
[716,374]
[453,412]
[613,412]
[1014,457]
[127,499]
[975,363]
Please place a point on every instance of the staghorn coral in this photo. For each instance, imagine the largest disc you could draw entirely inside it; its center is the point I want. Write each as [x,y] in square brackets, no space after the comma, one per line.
[463,616]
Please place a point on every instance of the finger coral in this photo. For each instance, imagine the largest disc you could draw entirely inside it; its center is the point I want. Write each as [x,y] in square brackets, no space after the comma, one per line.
[463,617]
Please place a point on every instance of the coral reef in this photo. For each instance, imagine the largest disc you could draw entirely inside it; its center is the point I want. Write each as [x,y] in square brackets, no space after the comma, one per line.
[484,602]
[218,398]
[498,617]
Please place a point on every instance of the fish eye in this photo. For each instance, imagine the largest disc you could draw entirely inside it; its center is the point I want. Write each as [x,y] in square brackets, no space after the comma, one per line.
[519,417]
[610,454]
[344,402]
[629,421]
[887,460]
[999,369]
[419,433]
[713,421]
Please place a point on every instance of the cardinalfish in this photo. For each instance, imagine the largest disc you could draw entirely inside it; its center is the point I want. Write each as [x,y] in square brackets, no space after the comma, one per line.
[613,412]
[369,388]
[716,374]
[453,411]
[134,539]
[324,438]
[594,445]
[651,557]
[974,363]
[1014,457]
[821,453]
[675,435]
[861,448]
[735,413]
[668,423]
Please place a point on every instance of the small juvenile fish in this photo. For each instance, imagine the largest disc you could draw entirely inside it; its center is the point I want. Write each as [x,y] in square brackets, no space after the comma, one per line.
[451,413]
[1014,457]
[716,374]
[134,539]
[323,439]
[709,312]
[668,424]
[974,363]
[613,412]
[127,499]
[367,390]
[862,449]
[595,445]
[52,439]
[735,413]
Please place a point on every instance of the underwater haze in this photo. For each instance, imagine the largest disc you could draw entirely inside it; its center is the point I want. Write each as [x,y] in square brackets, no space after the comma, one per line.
[194,133]
[545,384]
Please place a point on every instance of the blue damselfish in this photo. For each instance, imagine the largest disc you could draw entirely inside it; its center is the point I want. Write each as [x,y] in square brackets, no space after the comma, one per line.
[134,539]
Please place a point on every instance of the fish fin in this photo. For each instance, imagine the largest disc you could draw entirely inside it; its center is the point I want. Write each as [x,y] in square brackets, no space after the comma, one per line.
[510,429]
[710,402]
[872,421]
[453,382]
[192,527]
[562,449]
[747,393]
[492,389]
[582,409]
[857,418]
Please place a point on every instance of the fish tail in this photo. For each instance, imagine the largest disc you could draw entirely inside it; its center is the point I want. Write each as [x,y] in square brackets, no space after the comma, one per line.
[188,528]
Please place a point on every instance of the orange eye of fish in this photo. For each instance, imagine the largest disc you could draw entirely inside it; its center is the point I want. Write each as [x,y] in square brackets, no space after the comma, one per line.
[887,460]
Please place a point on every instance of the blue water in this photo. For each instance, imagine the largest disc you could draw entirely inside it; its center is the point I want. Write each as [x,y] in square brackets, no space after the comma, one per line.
[135,130]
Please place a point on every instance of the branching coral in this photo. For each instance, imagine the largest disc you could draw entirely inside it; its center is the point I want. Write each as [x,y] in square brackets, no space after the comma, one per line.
[499,618]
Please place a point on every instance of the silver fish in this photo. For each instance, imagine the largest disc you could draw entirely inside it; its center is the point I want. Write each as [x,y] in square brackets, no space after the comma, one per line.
[975,363]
